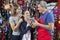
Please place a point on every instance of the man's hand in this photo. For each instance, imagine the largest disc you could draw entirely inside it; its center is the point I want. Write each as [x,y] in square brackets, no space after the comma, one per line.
[35,24]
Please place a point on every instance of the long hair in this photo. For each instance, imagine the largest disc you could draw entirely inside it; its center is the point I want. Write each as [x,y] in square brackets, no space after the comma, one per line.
[13,9]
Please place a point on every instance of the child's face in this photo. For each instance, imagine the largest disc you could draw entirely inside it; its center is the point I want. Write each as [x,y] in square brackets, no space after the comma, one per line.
[27,15]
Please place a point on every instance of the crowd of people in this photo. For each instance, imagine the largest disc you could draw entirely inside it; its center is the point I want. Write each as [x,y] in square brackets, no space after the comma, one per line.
[22,24]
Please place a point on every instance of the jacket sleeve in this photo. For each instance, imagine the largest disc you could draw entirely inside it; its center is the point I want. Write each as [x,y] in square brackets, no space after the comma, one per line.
[24,29]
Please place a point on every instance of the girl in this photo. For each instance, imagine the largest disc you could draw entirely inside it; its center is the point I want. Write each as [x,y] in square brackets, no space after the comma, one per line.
[25,26]
[15,21]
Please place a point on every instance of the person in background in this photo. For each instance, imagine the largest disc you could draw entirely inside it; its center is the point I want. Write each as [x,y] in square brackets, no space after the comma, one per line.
[45,23]
[15,21]
[7,7]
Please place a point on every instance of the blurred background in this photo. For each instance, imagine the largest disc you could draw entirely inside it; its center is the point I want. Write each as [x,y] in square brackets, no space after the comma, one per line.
[5,30]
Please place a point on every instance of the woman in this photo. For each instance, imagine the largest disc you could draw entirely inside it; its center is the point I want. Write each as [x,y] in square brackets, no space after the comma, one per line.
[15,21]
[25,27]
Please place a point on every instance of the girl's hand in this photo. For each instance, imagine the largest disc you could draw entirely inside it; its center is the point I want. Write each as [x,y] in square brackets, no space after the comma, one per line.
[20,20]
[30,23]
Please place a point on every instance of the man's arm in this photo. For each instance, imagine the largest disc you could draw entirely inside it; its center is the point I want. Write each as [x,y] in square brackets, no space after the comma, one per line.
[50,21]
[50,26]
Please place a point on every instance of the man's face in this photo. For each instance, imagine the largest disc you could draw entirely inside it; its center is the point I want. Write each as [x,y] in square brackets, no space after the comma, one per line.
[27,15]
[39,7]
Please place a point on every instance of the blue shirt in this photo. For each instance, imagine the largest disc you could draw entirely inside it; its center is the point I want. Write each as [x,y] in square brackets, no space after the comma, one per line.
[47,18]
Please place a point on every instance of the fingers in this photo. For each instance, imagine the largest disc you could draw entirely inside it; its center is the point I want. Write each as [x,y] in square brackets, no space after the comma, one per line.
[33,26]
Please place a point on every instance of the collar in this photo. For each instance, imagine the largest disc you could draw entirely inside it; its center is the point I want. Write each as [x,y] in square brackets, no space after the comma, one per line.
[44,12]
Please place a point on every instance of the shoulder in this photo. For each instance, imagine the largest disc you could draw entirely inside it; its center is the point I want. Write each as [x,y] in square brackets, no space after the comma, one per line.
[50,16]
[50,12]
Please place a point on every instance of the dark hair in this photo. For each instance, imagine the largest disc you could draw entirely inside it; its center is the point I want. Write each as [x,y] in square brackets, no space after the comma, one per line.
[25,11]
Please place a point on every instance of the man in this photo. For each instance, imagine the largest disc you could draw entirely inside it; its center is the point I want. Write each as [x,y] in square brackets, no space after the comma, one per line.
[45,23]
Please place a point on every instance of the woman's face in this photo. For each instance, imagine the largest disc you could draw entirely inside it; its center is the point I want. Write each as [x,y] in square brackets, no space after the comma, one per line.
[27,15]
[18,10]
